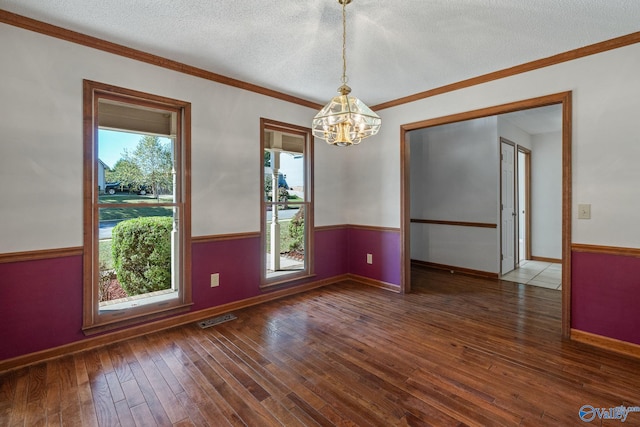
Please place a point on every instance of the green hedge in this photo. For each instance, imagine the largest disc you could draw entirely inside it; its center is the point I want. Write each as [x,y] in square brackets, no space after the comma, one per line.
[141,250]
[296,231]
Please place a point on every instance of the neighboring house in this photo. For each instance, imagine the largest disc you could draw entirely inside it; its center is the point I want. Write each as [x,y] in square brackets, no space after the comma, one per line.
[282,178]
[102,167]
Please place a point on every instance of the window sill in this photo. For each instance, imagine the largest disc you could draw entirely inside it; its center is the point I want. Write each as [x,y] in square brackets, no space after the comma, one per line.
[288,279]
[138,301]
[134,316]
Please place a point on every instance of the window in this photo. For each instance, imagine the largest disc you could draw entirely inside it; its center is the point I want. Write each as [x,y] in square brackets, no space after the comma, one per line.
[287,202]
[136,207]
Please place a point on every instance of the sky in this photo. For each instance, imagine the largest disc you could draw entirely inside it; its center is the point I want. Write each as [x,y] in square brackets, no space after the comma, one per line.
[111,145]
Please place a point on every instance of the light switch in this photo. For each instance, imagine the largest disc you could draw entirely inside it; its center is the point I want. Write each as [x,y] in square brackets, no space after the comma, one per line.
[584,211]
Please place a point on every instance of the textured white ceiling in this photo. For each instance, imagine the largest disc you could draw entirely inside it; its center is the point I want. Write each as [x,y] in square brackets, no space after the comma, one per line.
[394,48]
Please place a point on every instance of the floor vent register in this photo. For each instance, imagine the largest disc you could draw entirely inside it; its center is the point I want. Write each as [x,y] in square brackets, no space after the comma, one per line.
[216,320]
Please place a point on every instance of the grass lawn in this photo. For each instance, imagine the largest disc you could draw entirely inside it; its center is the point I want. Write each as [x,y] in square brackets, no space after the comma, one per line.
[114,214]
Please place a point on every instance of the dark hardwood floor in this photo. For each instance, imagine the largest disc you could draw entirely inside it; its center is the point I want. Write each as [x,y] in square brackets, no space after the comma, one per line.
[457,351]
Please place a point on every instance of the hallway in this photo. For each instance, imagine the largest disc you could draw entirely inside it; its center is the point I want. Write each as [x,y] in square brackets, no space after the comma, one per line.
[537,273]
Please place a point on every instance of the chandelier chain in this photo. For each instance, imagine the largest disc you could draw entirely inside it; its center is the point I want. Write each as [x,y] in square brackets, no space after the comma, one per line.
[344,41]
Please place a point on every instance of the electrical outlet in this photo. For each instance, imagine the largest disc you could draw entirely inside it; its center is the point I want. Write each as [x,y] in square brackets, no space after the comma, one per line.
[369,259]
[584,211]
[215,280]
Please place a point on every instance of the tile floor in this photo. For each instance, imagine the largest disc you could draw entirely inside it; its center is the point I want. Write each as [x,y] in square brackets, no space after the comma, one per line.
[537,273]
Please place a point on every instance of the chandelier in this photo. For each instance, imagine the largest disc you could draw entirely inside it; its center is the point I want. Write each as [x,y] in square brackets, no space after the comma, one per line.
[345,120]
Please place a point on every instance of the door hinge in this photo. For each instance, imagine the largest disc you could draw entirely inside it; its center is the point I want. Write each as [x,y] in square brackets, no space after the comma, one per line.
[501,257]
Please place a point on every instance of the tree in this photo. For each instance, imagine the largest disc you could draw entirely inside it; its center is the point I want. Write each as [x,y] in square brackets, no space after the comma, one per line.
[154,162]
[126,172]
[296,232]
[109,174]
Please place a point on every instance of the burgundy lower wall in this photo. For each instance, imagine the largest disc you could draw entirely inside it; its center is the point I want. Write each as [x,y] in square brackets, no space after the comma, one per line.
[331,249]
[605,295]
[40,305]
[41,300]
[238,263]
[383,245]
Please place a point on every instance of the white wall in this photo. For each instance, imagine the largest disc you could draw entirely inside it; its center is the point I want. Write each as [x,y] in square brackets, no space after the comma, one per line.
[606,144]
[546,195]
[455,177]
[41,143]
[513,133]
[456,171]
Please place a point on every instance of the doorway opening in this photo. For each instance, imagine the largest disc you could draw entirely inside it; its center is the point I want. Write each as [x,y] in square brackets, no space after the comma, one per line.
[530,270]
[561,99]
[537,182]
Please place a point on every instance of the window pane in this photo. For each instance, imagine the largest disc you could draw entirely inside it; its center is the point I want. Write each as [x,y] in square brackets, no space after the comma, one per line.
[130,163]
[135,249]
[286,205]
[285,242]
